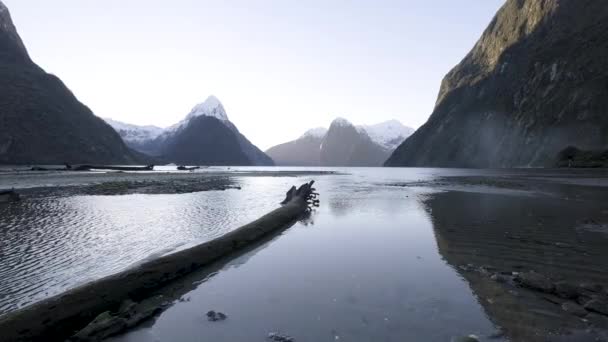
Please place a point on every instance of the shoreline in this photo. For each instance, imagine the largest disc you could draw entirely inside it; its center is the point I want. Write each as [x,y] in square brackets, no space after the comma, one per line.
[58,317]
[126,183]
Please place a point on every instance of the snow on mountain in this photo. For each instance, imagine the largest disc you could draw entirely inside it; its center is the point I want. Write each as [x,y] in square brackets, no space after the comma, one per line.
[341,122]
[318,132]
[211,107]
[388,134]
[134,133]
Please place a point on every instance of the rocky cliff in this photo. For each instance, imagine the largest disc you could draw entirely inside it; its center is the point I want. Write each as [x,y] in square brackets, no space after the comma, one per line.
[41,121]
[535,83]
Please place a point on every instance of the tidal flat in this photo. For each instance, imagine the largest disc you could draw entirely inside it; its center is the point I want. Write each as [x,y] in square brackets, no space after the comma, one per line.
[390,254]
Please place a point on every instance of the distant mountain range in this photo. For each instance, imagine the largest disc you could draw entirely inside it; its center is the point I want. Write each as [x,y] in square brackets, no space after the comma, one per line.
[343,144]
[204,137]
[40,119]
[535,83]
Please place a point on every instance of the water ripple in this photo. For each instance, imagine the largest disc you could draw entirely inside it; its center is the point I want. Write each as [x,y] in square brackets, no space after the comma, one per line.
[52,244]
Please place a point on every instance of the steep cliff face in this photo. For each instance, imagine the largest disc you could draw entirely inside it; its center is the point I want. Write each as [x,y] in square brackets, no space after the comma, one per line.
[535,83]
[41,121]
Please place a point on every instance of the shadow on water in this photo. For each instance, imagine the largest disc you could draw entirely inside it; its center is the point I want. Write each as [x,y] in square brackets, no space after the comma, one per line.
[514,233]
[176,291]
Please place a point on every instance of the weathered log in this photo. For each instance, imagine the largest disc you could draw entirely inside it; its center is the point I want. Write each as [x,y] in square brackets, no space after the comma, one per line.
[59,317]
[8,196]
[109,168]
[40,168]
[185,168]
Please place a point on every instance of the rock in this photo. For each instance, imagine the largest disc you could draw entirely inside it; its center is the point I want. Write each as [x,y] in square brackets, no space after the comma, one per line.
[566,290]
[470,338]
[486,270]
[496,335]
[128,316]
[598,305]
[535,281]
[574,309]
[592,287]
[275,336]
[500,278]
[514,293]
[465,268]
[8,196]
[213,316]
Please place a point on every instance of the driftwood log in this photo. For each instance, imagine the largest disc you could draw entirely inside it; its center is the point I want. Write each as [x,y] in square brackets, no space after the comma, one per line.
[59,318]
[186,168]
[8,196]
[69,167]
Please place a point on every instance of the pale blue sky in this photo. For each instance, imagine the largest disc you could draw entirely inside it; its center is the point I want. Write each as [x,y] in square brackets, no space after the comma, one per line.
[278,66]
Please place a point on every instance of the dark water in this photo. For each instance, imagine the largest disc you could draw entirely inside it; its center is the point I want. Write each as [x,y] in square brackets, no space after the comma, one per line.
[378,261]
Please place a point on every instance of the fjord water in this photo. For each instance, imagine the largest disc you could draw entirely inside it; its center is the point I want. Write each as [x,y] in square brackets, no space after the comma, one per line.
[377,261]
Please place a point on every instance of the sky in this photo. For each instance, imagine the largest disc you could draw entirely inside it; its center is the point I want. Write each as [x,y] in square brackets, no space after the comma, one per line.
[279,67]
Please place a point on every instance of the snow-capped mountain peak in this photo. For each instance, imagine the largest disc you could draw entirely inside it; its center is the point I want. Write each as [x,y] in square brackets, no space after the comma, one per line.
[389,134]
[211,107]
[318,132]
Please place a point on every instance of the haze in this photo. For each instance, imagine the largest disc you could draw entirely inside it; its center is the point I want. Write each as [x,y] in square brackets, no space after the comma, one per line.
[279,67]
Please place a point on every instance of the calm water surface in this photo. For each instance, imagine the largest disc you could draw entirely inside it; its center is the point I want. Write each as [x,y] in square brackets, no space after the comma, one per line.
[376,262]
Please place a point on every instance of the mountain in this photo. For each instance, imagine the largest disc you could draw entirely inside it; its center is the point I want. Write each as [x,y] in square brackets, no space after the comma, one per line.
[205,136]
[347,145]
[304,151]
[41,121]
[344,144]
[389,134]
[535,83]
[205,140]
[137,137]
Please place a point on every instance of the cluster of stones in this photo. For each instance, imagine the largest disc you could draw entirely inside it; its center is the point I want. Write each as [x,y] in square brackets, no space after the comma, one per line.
[580,299]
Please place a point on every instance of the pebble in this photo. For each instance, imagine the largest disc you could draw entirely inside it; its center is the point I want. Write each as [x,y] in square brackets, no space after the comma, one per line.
[216,316]
[566,290]
[599,305]
[470,338]
[275,336]
[574,309]
[592,287]
[535,281]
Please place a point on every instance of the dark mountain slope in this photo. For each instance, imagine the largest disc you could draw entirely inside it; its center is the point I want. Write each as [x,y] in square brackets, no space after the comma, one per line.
[205,140]
[345,145]
[535,83]
[40,119]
